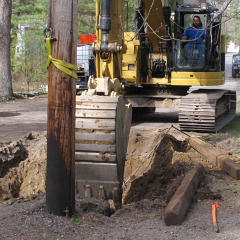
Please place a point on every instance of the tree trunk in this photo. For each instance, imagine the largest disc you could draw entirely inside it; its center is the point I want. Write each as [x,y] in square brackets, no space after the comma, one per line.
[5,64]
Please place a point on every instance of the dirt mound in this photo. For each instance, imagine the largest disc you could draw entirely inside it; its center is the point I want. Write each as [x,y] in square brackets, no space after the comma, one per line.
[152,177]
[23,167]
[156,164]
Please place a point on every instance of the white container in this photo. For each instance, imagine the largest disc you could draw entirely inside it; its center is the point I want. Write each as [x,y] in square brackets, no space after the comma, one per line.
[84,53]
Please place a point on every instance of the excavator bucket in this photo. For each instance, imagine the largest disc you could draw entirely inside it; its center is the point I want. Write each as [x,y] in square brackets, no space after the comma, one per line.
[102,129]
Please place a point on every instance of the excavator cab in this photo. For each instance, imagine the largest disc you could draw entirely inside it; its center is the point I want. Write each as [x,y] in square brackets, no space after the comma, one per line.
[201,53]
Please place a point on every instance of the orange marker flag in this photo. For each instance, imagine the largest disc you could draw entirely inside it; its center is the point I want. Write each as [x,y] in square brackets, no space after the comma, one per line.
[215,205]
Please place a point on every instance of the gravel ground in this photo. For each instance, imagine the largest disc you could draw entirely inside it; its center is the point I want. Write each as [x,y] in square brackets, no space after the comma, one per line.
[27,217]
[139,220]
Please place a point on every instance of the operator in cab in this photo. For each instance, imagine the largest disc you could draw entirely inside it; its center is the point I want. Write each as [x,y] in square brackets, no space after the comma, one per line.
[194,47]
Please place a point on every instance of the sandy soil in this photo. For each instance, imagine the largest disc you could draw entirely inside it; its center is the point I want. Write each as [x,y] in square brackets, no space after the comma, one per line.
[23,213]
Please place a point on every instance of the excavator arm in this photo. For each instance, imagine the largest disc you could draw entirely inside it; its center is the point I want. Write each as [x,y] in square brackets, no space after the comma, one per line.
[113,46]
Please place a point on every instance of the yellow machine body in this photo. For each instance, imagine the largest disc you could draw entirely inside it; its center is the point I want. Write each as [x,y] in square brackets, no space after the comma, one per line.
[125,63]
[135,74]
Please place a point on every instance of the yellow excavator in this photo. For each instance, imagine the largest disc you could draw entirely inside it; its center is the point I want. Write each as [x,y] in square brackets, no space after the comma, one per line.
[139,71]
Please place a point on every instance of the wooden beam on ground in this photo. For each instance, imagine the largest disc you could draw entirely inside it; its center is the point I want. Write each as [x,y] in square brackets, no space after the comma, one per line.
[230,167]
[216,157]
[206,149]
[181,200]
[60,182]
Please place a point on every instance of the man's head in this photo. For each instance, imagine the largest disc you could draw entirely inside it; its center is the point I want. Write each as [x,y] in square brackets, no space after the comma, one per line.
[197,22]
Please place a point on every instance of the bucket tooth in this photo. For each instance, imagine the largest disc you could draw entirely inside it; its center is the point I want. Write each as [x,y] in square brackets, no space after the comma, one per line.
[117,197]
[87,192]
[101,193]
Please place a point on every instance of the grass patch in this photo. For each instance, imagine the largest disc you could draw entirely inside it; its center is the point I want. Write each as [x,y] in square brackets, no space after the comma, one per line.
[233,128]
[75,219]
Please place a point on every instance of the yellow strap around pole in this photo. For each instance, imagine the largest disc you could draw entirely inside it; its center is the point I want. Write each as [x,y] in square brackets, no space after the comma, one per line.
[63,66]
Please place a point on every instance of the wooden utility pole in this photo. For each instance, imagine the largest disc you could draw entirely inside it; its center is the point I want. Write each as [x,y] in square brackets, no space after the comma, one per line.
[60,182]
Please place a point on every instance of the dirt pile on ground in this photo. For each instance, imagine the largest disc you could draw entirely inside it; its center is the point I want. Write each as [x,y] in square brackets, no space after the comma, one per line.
[149,169]
[23,167]
[156,164]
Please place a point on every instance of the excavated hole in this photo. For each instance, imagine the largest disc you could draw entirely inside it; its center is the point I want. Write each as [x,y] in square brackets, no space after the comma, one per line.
[11,156]
[159,177]
[22,167]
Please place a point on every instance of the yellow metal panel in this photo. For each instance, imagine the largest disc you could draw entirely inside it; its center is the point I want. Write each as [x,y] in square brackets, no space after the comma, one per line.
[125,67]
[109,69]
[130,49]
[112,67]
[129,36]
[160,81]
[197,78]
[129,58]
[129,75]
[213,75]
